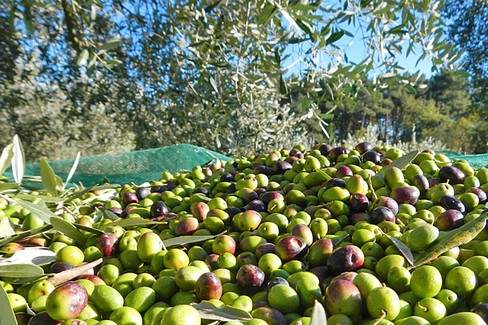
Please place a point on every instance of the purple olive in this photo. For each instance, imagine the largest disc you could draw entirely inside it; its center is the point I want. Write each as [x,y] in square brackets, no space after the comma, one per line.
[405,195]
[479,193]
[362,147]
[267,197]
[381,214]
[346,258]
[371,156]
[449,219]
[275,281]
[290,247]
[387,202]
[208,286]
[281,166]
[358,202]
[250,276]
[451,202]
[451,174]
[130,197]
[142,192]
[107,243]
[158,209]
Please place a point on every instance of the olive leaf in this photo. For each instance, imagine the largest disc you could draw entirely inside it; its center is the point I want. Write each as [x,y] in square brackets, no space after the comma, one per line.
[8,186]
[184,240]
[5,158]
[89,229]
[318,314]
[18,237]
[20,270]
[68,229]
[131,222]
[8,316]
[17,161]
[48,177]
[406,252]
[31,255]
[6,228]
[225,314]
[110,215]
[73,168]
[45,198]
[453,238]
[39,209]
[401,162]
[81,193]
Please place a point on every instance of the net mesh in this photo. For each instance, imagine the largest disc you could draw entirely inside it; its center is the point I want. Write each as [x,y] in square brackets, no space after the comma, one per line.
[476,161]
[145,165]
[131,167]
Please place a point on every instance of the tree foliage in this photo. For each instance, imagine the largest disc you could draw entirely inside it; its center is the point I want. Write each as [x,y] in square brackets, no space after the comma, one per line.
[235,76]
[468,28]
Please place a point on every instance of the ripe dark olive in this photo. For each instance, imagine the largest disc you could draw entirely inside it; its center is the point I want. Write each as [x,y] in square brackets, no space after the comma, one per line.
[142,192]
[422,183]
[343,171]
[130,197]
[42,318]
[208,286]
[263,169]
[405,194]
[232,211]
[344,259]
[372,156]
[266,197]
[337,151]
[159,188]
[358,202]
[362,147]
[479,193]
[449,219]
[385,161]
[159,209]
[264,249]
[281,166]
[250,276]
[201,190]
[270,316]
[358,216]
[116,210]
[227,177]
[291,247]
[57,267]
[107,243]
[256,205]
[277,280]
[482,310]
[325,148]
[296,153]
[451,202]
[451,174]
[387,202]
[381,214]
[335,182]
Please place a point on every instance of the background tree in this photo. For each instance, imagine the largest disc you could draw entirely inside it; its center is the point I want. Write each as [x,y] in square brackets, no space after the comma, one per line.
[126,74]
[468,30]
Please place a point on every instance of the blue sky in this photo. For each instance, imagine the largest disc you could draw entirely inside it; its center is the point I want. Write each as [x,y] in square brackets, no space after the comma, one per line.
[356,52]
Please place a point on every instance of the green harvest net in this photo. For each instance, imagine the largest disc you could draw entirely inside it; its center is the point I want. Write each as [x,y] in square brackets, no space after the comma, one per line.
[145,165]
[130,167]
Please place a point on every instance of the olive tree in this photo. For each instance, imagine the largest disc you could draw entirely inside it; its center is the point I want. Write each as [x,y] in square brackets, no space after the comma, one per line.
[232,75]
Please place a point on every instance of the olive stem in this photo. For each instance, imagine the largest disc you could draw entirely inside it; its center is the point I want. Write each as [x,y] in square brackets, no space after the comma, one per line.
[371,188]
[67,275]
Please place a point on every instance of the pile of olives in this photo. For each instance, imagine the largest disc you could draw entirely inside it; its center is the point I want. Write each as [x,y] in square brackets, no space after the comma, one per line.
[369,233]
